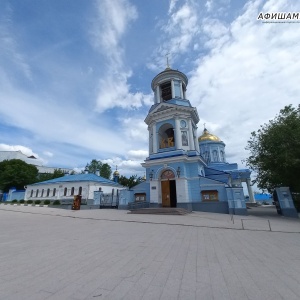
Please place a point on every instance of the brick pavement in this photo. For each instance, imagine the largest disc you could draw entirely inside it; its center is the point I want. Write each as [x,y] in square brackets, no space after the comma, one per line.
[48,253]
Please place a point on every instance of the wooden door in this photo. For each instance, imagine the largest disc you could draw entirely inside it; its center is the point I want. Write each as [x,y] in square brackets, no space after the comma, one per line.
[165,193]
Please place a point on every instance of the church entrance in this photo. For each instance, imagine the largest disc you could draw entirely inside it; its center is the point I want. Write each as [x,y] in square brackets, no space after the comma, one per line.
[168,189]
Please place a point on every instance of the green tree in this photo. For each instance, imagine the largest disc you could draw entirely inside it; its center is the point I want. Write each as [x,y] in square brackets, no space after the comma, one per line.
[104,169]
[131,181]
[275,151]
[47,176]
[16,173]
[93,166]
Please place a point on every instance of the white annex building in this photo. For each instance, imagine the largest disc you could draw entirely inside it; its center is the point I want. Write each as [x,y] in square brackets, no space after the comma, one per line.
[32,160]
[65,188]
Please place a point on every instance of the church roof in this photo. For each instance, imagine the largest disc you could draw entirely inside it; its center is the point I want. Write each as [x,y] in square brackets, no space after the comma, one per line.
[79,177]
[207,136]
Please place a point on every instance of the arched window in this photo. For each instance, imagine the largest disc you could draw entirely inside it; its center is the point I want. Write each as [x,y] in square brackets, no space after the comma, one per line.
[48,192]
[31,193]
[65,191]
[72,191]
[215,155]
[166,91]
[80,190]
[222,156]
[37,193]
[177,89]
[42,193]
[206,156]
[166,135]
[54,192]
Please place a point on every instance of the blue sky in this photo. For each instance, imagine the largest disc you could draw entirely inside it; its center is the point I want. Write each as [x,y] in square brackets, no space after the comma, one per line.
[75,75]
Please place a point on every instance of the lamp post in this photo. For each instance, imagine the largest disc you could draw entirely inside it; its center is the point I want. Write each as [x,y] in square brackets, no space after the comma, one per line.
[151,175]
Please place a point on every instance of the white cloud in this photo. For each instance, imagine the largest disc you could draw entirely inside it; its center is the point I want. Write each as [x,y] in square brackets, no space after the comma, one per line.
[9,49]
[48,153]
[114,91]
[70,125]
[178,33]
[172,5]
[248,77]
[113,21]
[138,154]
[135,129]
[209,5]
[131,164]
[125,167]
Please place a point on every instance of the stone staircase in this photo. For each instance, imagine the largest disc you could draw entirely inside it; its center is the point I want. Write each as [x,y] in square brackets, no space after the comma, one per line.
[161,211]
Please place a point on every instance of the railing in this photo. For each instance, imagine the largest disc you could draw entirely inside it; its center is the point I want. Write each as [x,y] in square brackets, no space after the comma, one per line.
[138,205]
[109,201]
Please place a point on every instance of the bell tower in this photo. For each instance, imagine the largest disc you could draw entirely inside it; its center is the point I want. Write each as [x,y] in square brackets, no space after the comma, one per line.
[174,161]
[172,121]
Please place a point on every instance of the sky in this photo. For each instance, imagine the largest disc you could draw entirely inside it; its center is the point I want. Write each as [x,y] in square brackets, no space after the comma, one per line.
[75,76]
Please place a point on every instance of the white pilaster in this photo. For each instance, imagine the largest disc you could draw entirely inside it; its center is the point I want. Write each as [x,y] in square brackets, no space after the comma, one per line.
[196,142]
[154,191]
[150,141]
[154,138]
[172,89]
[191,138]
[178,142]
[181,90]
[157,98]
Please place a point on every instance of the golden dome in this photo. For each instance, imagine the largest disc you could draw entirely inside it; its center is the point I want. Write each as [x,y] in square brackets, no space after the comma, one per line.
[206,136]
[116,173]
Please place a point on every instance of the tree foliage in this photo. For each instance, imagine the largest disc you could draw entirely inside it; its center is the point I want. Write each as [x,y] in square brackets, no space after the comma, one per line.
[275,151]
[16,173]
[106,171]
[47,176]
[131,181]
[104,168]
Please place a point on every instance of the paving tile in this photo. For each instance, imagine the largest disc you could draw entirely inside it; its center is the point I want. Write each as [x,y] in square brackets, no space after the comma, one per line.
[113,255]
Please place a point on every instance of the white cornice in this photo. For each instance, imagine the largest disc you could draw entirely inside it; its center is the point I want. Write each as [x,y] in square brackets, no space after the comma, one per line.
[165,110]
[176,159]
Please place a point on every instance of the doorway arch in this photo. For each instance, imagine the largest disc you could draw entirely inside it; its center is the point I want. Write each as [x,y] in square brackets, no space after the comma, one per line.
[168,189]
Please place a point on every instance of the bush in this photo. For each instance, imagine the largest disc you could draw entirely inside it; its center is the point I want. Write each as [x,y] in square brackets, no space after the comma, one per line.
[46,202]
[22,201]
[14,201]
[56,202]
[29,202]
[37,202]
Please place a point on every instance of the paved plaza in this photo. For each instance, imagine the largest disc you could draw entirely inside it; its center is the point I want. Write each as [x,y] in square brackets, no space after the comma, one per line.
[50,253]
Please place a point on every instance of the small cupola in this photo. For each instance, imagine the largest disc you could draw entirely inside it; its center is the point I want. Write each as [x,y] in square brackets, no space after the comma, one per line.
[169,84]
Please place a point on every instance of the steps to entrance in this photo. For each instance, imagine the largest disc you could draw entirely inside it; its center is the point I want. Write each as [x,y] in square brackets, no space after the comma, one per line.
[161,211]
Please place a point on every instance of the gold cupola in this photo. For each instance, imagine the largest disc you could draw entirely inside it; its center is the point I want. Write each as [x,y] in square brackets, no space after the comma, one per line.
[207,136]
[116,173]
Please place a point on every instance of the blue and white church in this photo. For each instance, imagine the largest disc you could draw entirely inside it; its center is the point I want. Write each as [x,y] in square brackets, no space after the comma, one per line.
[183,170]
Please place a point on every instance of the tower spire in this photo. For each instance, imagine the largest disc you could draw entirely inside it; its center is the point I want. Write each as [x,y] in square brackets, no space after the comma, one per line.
[167,56]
